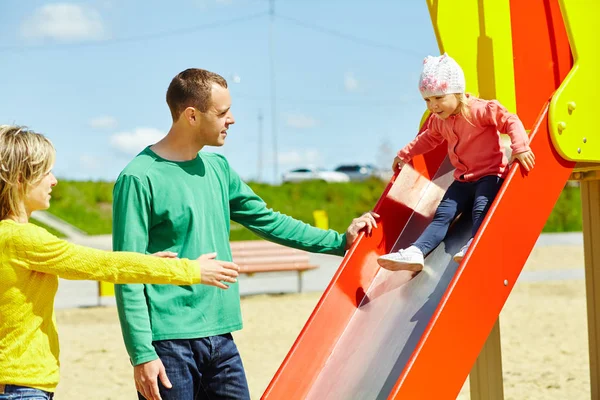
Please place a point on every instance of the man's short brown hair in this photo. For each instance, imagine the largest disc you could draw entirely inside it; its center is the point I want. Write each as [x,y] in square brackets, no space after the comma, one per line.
[192,88]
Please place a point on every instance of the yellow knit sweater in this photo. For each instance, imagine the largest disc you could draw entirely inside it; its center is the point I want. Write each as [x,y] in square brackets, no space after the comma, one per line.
[31,260]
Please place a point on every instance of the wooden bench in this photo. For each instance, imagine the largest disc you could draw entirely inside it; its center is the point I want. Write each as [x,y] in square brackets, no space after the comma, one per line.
[255,256]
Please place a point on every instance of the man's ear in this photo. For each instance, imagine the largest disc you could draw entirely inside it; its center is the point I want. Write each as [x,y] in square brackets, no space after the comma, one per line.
[190,114]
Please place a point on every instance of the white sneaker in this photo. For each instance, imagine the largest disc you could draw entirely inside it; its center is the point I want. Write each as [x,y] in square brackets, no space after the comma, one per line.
[410,259]
[461,254]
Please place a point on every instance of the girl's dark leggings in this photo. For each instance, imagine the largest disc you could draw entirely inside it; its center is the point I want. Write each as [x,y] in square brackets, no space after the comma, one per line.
[459,196]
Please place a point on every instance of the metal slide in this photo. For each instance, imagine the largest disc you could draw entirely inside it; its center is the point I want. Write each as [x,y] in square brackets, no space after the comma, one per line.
[377,334]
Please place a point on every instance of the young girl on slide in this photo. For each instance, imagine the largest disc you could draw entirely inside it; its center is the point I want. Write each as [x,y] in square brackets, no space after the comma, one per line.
[471,127]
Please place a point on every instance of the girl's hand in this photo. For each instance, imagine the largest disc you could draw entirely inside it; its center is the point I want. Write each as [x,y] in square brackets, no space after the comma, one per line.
[397,165]
[527,159]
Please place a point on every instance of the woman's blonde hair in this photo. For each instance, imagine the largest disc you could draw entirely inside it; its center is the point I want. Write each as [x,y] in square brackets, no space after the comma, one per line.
[25,158]
[463,105]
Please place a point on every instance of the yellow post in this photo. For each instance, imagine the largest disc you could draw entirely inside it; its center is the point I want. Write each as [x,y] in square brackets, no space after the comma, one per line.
[321,219]
[106,289]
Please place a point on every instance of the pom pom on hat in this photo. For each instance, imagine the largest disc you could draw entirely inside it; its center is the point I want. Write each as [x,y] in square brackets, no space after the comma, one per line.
[441,75]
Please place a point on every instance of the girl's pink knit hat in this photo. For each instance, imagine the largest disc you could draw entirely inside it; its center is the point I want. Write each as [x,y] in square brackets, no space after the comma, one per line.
[441,75]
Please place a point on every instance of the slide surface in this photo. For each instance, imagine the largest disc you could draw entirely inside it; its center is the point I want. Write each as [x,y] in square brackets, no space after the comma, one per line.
[377,334]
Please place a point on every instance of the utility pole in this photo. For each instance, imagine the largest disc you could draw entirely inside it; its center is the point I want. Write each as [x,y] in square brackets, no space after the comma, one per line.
[273,90]
[260,146]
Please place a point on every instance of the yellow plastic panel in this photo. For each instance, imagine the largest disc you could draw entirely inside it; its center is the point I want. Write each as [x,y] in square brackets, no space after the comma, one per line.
[573,111]
[477,34]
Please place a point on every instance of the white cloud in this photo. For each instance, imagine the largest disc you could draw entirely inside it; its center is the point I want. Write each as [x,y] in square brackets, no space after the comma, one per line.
[134,142]
[350,82]
[303,157]
[89,162]
[104,122]
[300,121]
[64,22]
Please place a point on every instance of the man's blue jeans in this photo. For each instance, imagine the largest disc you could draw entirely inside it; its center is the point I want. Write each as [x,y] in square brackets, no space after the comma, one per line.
[14,392]
[202,369]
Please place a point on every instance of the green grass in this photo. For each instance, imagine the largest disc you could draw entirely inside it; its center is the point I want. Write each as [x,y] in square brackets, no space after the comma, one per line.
[341,201]
[88,205]
[46,227]
[566,215]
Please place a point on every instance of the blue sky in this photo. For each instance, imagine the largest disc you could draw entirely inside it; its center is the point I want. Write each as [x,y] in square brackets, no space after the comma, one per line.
[92,76]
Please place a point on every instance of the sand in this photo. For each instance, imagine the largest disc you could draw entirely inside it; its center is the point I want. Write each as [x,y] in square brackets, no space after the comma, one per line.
[543,327]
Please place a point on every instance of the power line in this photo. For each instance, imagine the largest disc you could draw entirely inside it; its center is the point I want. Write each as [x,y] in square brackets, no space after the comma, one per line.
[273,89]
[341,102]
[260,147]
[347,36]
[184,31]
[150,36]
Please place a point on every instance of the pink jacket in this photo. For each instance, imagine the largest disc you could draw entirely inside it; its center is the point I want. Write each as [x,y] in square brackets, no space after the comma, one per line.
[474,146]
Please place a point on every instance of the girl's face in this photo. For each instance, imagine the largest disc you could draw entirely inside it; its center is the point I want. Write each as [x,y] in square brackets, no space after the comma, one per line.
[443,106]
[38,194]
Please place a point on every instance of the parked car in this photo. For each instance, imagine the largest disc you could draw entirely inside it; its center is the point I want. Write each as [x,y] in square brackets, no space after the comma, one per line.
[315,174]
[358,172]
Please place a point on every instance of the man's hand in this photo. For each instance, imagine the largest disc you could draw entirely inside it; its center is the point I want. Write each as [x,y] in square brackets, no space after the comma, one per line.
[146,377]
[165,254]
[527,159]
[367,220]
[398,164]
[214,272]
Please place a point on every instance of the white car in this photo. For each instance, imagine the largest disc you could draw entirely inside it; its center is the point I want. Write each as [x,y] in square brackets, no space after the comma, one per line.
[314,174]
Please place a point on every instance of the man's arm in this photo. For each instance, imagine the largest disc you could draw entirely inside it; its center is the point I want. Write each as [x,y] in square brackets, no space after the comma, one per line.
[131,208]
[251,211]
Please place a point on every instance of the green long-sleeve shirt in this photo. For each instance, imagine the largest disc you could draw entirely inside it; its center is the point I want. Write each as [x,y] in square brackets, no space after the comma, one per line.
[186,207]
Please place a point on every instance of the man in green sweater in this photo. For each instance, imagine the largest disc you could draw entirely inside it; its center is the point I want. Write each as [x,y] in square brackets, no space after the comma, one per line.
[172,197]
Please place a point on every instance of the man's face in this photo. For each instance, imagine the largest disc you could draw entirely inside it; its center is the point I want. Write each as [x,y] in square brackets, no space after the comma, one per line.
[443,106]
[213,124]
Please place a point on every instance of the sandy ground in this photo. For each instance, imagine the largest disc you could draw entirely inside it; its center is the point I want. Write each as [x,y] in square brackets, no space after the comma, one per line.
[543,327]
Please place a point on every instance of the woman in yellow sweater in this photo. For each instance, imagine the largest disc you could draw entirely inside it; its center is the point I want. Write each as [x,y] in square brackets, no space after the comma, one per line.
[31,260]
